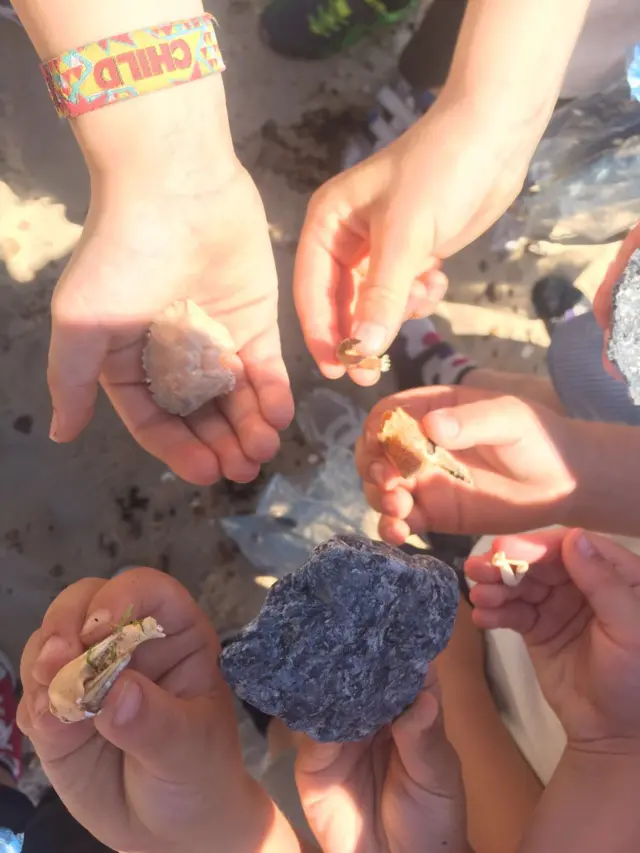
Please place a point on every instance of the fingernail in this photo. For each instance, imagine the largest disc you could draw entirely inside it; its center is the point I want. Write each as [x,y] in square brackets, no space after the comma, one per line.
[54,648]
[447,423]
[40,704]
[97,620]
[128,704]
[376,473]
[53,429]
[585,547]
[372,338]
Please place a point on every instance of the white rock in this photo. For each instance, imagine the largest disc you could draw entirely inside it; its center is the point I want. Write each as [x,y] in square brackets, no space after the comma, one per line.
[185,358]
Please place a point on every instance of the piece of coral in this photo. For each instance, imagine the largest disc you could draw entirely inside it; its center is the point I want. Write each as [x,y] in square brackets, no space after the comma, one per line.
[79,688]
[341,647]
[624,335]
[186,358]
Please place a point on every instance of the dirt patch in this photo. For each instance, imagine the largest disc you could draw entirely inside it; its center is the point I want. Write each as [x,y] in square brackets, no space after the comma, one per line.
[308,152]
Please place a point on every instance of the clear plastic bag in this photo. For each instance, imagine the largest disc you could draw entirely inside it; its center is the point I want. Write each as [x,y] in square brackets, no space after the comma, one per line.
[584,180]
[328,419]
[290,520]
[633,72]
[9,842]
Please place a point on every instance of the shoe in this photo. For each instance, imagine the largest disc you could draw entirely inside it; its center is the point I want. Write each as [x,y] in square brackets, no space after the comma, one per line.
[10,734]
[316,29]
[556,300]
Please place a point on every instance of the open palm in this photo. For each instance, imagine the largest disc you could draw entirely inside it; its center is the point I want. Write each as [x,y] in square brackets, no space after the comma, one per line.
[136,258]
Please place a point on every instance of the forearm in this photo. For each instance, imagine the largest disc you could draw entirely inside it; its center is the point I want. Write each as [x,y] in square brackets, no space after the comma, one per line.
[501,789]
[590,805]
[605,460]
[511,58]
[168,135]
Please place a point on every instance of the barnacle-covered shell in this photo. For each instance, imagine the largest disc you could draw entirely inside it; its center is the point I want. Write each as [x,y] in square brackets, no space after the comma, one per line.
[185,358]
[80,687]
[347,353]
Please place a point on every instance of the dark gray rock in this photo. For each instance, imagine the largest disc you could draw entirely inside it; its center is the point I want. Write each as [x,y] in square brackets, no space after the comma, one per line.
[624,338]
[341,646]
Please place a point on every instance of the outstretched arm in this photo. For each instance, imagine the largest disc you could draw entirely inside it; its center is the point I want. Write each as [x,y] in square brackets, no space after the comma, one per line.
[173,216]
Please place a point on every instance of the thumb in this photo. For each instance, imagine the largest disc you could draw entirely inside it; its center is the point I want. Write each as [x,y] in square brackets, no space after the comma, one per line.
[76,356]
[163,732]
[605,573]
[494,421]
[399,254]
[423,749]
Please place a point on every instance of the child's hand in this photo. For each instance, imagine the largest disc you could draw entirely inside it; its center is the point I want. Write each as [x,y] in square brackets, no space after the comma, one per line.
[160,768]
[578,609]
[374,235]
[396,792]
[602,302]
[520,456]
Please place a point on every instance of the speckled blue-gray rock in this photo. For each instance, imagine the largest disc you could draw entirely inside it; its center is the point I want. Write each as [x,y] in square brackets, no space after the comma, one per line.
[341,646]
[624,338]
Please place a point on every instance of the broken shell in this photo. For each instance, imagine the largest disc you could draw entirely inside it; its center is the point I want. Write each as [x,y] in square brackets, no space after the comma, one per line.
[348,355]
[79,689]
[184,358]
[410,450]
[512,572]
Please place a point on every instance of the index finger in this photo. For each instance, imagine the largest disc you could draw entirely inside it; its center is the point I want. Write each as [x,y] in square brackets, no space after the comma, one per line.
[322,280]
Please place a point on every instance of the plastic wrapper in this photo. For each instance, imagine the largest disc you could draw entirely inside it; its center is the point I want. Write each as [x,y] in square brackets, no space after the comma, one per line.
[9,842]
[328,419]
[291,518]
[584,180]
[633,72]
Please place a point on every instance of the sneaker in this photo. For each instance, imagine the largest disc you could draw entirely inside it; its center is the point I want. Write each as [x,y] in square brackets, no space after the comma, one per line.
[10,735]
[316,29]
[556,300]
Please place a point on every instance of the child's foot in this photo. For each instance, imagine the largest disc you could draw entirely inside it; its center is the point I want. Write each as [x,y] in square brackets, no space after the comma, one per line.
[10,735]
[419,357]
[315,29]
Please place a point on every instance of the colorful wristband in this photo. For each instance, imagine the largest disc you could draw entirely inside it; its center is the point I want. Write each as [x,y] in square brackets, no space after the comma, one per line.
[137,63]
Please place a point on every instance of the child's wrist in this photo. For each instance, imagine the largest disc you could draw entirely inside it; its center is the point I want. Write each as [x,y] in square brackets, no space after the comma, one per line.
[177,136]
[254,825]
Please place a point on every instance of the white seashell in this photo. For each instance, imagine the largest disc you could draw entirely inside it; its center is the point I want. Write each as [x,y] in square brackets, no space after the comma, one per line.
[184,358]
[79,689]
[512,572]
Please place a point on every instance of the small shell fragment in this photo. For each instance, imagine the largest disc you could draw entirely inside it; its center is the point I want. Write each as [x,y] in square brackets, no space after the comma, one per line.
[512,572]
[410,450]
[348,355]
[79,689]
[184,358]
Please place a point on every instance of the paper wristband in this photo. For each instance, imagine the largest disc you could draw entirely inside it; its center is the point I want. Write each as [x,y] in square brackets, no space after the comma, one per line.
[136,63]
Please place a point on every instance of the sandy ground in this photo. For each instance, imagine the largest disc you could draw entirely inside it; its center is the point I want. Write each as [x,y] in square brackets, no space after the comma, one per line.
[88,508]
